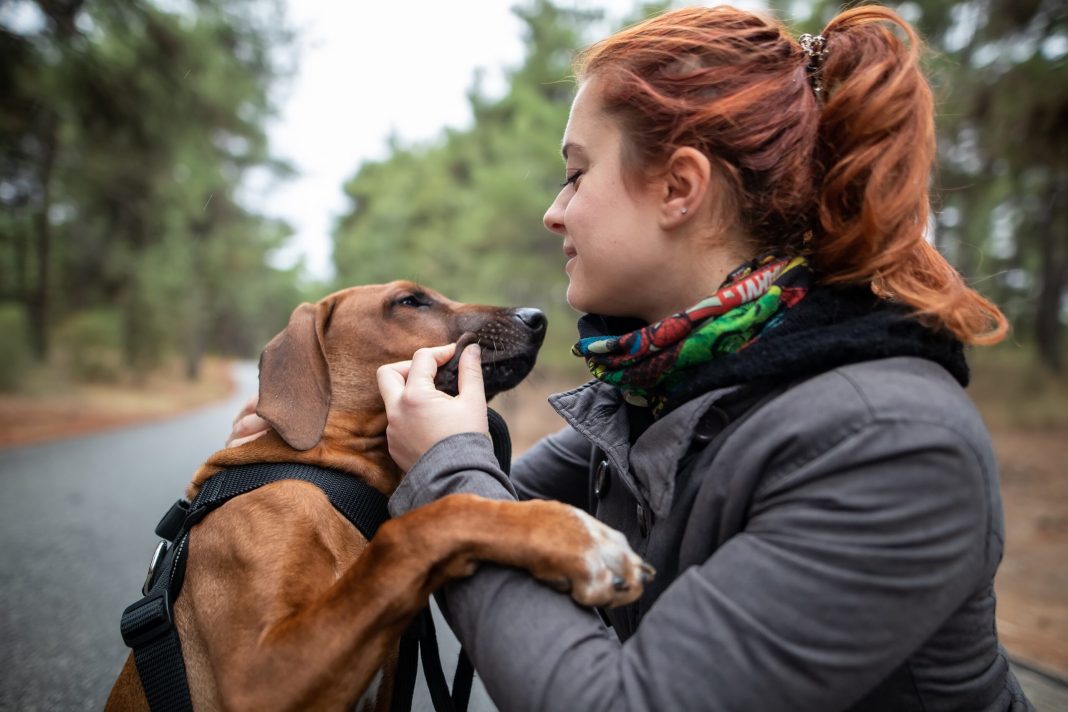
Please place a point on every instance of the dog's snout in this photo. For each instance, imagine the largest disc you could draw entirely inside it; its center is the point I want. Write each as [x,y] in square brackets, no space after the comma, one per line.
[533,319]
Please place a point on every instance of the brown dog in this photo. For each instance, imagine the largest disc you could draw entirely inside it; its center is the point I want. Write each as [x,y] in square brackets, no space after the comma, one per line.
[285,604]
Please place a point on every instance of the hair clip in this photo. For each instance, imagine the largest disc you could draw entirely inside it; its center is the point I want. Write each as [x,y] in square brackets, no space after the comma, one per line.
[815,48]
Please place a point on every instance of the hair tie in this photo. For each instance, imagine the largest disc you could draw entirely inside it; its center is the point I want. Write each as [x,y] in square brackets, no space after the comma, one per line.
[815,48]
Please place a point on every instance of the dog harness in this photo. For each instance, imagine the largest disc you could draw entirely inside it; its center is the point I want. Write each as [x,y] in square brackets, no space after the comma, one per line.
[148,625]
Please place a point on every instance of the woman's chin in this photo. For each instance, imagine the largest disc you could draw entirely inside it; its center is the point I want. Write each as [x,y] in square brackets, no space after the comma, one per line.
[576,301]
[603,304]
[592,306]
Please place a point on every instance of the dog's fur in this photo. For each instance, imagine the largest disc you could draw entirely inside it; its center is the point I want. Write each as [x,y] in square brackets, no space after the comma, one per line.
[285,605]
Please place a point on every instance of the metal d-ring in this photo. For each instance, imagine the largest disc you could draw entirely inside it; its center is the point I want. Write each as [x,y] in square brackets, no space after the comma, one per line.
[157,557]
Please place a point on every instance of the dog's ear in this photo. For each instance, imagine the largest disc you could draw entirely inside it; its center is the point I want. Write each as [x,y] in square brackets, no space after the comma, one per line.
[295,379]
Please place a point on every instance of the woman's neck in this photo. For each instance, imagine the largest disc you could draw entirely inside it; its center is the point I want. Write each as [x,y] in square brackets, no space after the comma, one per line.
[698,276]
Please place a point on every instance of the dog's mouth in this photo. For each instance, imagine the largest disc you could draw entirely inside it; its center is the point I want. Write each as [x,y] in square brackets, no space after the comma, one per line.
[504,364]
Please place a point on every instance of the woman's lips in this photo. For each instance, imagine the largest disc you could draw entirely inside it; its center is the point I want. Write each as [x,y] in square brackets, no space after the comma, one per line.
[570,254]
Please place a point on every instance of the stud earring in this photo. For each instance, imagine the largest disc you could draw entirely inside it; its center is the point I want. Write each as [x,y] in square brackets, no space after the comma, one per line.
[683,211]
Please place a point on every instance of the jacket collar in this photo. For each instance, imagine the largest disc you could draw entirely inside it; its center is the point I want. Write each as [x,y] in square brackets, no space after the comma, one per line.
[830,327]
[648,469]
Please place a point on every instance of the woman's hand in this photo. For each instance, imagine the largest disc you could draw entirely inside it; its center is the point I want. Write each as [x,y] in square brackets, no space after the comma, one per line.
[247,425]
[419,414]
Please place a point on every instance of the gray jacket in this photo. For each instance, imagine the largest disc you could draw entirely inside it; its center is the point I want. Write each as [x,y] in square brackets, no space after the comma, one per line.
[836,552]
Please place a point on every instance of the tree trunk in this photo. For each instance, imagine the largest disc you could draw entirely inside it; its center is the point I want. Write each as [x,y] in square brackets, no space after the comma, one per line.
[63,17]
[193,358]
[37,301]
[1053,276]
[194,336]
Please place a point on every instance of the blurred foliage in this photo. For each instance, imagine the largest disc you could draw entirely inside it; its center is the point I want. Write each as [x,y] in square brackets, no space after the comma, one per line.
[90,343]
[15,355]
[463,213]
[127,126]
[125,131]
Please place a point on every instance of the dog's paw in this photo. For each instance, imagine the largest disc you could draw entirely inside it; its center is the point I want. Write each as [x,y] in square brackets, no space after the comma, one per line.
[615,574]
[606,571]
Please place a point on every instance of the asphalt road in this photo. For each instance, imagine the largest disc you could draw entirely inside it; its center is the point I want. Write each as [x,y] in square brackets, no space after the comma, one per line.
[76,523]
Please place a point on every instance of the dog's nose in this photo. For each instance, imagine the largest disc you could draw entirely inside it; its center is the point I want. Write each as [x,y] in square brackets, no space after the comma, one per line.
[533,319]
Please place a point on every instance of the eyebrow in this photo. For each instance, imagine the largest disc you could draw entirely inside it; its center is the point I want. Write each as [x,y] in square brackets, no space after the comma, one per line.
[568,146]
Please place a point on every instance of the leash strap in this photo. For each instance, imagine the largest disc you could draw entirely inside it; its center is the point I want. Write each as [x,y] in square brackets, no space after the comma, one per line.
[148,625]
[461,682]
[435,676]
[407,665]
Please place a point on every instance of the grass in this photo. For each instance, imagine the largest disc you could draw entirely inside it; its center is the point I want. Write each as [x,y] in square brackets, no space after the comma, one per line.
[50,405]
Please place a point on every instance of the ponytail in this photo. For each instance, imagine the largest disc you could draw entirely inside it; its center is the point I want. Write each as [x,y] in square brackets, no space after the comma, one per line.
[876,144]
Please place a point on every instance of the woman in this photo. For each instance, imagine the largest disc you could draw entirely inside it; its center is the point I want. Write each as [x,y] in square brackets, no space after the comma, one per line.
[777,420]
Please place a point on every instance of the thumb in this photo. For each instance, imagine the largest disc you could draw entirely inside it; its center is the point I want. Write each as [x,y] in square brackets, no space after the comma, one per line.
[391,379]
[469,375]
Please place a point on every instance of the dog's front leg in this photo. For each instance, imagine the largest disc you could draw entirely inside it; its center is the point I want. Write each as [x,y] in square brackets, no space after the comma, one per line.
[323,650]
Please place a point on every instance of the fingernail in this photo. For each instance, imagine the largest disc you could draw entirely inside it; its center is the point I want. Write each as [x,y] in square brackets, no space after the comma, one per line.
[476,350]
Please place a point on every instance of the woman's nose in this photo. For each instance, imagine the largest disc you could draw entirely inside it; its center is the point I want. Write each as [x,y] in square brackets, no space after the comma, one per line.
[554,216]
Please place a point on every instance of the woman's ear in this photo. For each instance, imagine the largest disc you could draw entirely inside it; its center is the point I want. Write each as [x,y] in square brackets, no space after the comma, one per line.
[686,182]
[700,191]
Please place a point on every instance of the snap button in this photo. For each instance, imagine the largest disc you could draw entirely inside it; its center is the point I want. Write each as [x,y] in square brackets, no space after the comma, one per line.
[710,425]
[600,479]
[643,521]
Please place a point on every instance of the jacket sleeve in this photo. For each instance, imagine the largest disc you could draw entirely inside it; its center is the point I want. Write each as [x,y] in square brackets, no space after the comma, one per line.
[849,561]
[556,467]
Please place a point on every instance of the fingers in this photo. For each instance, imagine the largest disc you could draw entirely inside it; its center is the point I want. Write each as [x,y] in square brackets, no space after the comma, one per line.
[419,414]
[246,439]
[391,379]
[247,426]
[248,409]
[469,374]
[425,364]
[246,429]
[420,371]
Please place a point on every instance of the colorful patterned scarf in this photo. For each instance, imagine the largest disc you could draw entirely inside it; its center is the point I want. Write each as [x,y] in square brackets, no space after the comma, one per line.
[649,363]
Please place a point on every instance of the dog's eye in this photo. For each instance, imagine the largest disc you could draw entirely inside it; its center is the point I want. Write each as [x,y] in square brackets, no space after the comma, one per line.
[412,300]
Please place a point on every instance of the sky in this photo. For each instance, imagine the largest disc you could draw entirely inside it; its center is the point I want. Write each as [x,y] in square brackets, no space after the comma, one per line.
[363,74]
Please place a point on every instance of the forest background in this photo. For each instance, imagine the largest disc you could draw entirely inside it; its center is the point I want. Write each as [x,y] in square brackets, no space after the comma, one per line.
[123,240]
[126,250]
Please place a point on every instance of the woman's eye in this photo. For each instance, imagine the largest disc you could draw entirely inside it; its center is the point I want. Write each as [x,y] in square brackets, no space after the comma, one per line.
[572,179]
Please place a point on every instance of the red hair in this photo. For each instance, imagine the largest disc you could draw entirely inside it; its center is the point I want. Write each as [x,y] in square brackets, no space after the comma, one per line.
[842,180]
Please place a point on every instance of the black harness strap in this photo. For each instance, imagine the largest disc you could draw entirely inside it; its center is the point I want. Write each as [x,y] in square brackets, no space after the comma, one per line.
[148,625]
